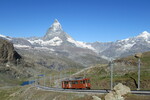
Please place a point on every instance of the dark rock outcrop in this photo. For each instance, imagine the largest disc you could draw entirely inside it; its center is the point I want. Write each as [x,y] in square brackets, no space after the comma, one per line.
[12,65]
[7,52]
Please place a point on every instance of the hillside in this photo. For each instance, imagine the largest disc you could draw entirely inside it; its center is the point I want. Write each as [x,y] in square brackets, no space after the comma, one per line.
[125,71]
[14,67]
[133,61]
[10,60]
[99,75]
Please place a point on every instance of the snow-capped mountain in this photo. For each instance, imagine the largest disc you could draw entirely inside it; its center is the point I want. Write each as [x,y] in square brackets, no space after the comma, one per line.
[55,36]
[58,41]
[129,46]
[5,37]
[56,31]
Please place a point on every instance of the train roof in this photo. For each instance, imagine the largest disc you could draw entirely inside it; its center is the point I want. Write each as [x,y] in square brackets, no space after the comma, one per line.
[75,78]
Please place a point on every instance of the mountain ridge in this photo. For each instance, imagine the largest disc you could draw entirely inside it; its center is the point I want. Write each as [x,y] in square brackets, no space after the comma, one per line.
[56,43]
[129,46]
[56,39]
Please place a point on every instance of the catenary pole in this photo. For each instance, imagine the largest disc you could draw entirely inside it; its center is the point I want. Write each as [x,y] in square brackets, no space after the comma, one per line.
[139,72]
[138,55]
[111,67]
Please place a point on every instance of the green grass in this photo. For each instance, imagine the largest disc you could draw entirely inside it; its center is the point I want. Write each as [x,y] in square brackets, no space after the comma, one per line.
[145,60]
[100,77]
[136,97]
[6,92]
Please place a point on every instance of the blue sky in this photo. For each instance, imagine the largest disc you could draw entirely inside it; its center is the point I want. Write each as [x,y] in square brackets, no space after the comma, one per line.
[84,20]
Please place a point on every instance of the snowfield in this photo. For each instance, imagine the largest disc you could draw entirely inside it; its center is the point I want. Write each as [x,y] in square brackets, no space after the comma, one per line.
[56,41]
[80,44]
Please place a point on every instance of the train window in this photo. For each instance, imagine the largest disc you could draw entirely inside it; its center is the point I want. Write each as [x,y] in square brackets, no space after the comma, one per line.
[73,82]
[76,82]
[66,82]
[70,82]
[84,82]
[81,82]
[87,81]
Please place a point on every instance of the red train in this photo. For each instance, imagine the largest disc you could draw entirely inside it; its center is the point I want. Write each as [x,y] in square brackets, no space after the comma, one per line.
[76,83]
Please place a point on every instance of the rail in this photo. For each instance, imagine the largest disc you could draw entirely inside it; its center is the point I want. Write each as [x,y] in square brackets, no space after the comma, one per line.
[89,91]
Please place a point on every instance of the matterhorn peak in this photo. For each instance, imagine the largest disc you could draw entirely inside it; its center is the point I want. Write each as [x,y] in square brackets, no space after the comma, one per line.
[56,26]
[55,31]
[56,21]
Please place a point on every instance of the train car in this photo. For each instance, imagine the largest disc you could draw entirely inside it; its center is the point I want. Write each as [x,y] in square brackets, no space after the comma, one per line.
[76,83]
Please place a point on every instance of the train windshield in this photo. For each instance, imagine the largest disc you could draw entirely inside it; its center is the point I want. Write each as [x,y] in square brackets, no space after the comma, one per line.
[88,81]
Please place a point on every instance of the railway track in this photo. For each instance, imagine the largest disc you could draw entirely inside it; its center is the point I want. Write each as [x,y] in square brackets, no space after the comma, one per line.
[141,92]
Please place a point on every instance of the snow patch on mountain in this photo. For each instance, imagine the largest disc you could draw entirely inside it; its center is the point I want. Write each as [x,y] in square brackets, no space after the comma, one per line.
[21,46]
[44,48]
[125,47]
[5,37]
[80,44]
[107,58]
[56,41]
[128,43]
[124,40]
[144,35]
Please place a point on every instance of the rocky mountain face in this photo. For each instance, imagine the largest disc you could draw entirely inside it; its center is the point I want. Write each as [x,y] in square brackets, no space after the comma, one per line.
[56,31]
[12,65]
[7,52]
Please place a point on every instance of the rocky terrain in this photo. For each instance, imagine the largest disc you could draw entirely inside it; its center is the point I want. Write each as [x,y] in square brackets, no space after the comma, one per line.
[14,68]
[132,60]
[7,52]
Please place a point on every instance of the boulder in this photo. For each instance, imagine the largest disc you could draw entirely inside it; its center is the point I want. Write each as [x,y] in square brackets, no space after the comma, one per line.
[118,92]
[138,55]
[113,96]
[7,52]
[96,98]
[121,89]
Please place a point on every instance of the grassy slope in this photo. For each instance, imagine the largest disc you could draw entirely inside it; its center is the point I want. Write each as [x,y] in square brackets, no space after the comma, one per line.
[145,60]
[100,79]
[31,93]
[125,73]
